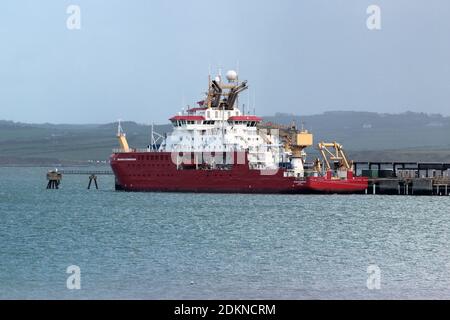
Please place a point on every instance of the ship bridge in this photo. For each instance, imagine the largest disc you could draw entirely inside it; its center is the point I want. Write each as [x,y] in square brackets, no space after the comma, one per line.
[218,125]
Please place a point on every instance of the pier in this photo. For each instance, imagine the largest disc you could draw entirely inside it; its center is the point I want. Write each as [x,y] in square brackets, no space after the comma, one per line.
[54,177]
[386,178]
[87,172]
[406,178]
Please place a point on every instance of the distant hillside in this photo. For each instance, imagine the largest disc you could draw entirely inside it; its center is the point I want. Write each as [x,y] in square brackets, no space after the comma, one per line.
[374,131]
[34,143]
[365,135]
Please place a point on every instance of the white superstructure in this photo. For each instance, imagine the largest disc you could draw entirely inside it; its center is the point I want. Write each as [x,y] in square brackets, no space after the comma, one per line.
[219,126]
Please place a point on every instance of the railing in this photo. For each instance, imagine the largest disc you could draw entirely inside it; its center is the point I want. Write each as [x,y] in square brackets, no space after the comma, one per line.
[87,172]
[441,180]
[118,150]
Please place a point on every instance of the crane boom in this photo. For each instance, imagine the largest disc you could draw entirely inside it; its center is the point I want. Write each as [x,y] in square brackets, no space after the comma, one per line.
[337,154]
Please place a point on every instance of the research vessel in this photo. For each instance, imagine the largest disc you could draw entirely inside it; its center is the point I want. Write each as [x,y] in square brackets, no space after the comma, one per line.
[217,147]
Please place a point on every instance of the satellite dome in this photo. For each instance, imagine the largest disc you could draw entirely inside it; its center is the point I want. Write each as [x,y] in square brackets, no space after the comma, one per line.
[232,75]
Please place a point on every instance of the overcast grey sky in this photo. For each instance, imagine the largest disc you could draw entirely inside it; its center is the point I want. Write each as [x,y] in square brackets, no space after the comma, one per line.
[137,59]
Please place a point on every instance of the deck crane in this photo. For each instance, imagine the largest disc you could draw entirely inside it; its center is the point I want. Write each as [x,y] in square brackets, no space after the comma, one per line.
[337,154]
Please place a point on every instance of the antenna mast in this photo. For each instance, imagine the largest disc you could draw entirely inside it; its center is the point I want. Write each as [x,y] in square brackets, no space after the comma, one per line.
[248,102]
[155,139]
[254,101]
[237,83]
[119,128]
[152,140]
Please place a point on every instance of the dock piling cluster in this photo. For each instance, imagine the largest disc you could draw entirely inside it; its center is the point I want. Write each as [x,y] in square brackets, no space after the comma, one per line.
[92,177]
[54,177]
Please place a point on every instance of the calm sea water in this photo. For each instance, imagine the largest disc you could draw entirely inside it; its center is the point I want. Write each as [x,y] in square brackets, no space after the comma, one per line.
[188,246]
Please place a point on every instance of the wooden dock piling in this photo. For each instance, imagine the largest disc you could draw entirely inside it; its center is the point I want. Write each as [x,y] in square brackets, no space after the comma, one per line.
[92,177]
[54,179]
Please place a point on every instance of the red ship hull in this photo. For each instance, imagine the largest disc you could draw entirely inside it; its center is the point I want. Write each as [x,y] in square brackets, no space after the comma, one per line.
[155,171]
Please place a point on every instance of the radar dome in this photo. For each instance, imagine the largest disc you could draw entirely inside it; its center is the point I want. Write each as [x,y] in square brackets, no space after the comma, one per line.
[232,75]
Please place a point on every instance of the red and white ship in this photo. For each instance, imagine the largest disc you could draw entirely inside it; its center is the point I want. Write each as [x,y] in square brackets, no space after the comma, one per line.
[218,148]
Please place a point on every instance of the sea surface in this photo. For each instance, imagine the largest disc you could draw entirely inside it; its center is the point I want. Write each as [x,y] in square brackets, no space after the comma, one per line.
[217,246]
